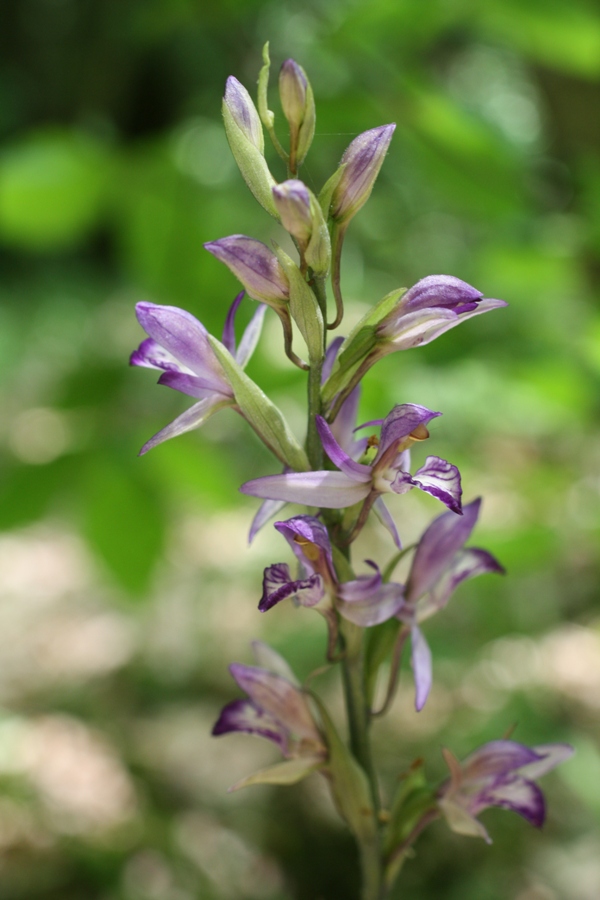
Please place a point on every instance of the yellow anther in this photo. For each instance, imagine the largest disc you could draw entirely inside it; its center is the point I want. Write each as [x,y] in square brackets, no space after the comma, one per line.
[310,550]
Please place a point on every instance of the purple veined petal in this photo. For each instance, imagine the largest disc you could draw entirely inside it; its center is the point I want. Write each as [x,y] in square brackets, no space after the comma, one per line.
[366,607]
[363,159]
[515,793]
[181,335]
[466,564]
[278,585]
[439,290]
[418,329]
[194,386]
[441,479]
[268,658]
[151,355]
[276,696]
[551,755]
[254,264]
[331,490]
[192,418]
[496,759]
[243,111]
[250,337]
[385,517]
[363,587]
[353,470]
[438,546]
[420,659]
[342,428]
[228,339]
[398,425]
[330,358]
[267,510]
[243,715]
[303,530]
[370,424]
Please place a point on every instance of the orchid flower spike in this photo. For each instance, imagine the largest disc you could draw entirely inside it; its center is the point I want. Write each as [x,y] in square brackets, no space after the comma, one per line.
[179,347]
[276,709]
[501,773]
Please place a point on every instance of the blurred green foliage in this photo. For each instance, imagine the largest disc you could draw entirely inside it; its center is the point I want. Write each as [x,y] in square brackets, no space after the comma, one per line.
[127,586]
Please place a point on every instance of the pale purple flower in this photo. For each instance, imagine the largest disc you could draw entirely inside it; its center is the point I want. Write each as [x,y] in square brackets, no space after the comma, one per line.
[441,562]
[500,773]
[255,265]
[432,306]
[362,159]
[292,201]
[179,346]
[276,709]
[355,482]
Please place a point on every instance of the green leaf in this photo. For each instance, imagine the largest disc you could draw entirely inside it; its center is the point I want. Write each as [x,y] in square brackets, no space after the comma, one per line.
[304,308]
[262,414]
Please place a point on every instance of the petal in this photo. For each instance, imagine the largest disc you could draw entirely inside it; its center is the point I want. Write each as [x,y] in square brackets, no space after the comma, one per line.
[466,564]
[352,469]
[278,586]
[330,358]
[366,607]
[272,661]
[194,386]
[461,821]
[496,759]
[342,427]
[277,697]
[288,772]
[243,715]
[332,490]
[441,479]
[363,587]
[192,418]
[152,356]
[254,264]
[552,755]
[181,335]
[399,424]
[266,511]
[251,336]
[420,659]
[228,338]
[439,290]
[438,546]
[307,530]
[516,793]
[385,517]
[424,333]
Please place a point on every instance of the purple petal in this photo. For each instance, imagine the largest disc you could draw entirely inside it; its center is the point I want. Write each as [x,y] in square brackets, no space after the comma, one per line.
[278,585]
[192,418]
[229,328]
[363,587]
[266,511]
[550,755]
[438,546]
[307,530]
[254,264]
[363,159]
[466,564]
[331,490]
[398,425]
[366,601]
[442,480]
[352,469]
[152,356]
[330,357]
[496,759]
[420,659]
[250,337]
[385,517]
[277,697]
[183,336]
[243,715]
[243,111]
[194,386]
[516,793]
[439,290]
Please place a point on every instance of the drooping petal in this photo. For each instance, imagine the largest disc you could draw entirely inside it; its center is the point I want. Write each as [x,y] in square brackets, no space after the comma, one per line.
[309,540]
[441,479]
[182,335]
[288,772]
[366,601]
[420,659]
[438,546]
[268,658]
[251,336]
[352,469]
[243,715]
[228,339]
[467,563]
[267,510]
[385,517]
[192,418]
[550,755]
[518,794]
[278,585]
[151,355]
[331,490]
[276,696]
[398,425]
[194,386]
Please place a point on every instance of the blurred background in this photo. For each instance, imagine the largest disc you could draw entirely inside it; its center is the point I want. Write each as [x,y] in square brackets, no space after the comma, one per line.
[126,584]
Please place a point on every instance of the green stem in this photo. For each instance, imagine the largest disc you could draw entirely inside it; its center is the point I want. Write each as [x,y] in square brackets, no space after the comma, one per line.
[314,447]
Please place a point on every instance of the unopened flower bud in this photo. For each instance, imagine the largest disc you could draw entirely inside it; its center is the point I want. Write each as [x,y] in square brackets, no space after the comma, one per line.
[255,265]
[298,106]
[243,112]
[292,200]
[362,160]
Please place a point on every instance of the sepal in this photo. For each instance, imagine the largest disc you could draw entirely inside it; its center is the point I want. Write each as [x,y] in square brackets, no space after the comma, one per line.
[290,771]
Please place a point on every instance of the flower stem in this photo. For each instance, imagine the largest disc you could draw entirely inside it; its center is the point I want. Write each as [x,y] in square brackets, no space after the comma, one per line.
[314,447]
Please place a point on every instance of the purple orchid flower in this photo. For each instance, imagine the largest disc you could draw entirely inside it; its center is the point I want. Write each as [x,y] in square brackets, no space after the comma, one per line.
[500,773]
[365,600]
[432,306]
[179,346]
[355,482]
[278,710]
[441,562]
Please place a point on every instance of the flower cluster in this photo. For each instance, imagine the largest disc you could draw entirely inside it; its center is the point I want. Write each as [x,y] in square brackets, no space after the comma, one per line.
[341,474]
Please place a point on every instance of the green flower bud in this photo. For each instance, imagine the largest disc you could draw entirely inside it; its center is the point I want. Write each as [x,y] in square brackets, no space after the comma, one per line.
[298,106]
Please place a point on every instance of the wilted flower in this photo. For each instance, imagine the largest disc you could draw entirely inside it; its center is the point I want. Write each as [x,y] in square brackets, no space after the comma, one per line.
[362,160]
[441,562]
[179,346]
[501,773]
[276,709]
[355,482]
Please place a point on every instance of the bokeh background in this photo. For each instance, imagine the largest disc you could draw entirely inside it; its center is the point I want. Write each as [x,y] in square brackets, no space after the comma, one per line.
[126,584]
